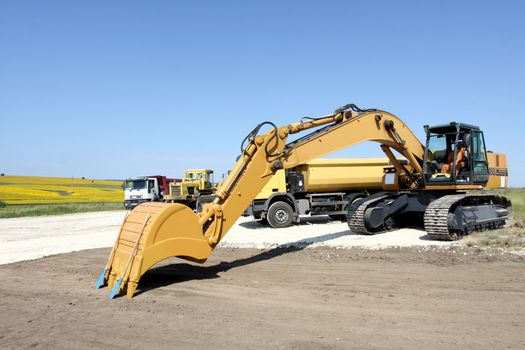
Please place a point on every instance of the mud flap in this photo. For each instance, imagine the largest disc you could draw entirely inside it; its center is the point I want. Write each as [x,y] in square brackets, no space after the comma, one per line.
[152,232]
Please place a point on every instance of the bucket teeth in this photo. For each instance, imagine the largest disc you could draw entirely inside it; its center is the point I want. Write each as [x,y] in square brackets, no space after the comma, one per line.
[111,281]
[130,289]
[116,289]
[121,286]
[104,276]
[102,279]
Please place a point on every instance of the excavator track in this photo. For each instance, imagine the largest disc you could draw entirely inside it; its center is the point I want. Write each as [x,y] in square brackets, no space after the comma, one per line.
[438,216]
[356,213]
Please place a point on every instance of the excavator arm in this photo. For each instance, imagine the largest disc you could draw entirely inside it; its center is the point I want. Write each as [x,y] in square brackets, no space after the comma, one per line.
[156,231]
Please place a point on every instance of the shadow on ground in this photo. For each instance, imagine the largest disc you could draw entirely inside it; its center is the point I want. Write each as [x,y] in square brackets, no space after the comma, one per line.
[309,220]
[313,220]
[175,273]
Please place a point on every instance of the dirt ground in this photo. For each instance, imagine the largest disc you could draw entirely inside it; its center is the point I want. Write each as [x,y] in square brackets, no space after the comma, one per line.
[296,298]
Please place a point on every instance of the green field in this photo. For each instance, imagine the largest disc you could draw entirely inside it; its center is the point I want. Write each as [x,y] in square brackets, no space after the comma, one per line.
[35,195]
[52,190]
[17,211]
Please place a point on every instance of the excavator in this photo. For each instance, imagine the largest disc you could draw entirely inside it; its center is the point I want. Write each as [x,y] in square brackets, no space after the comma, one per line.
[437,188]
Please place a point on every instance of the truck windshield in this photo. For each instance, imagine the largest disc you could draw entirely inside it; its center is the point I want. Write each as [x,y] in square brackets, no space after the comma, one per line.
[135,184]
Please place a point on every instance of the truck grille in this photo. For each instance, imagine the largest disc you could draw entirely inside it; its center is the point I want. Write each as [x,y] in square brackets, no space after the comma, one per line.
[175,191]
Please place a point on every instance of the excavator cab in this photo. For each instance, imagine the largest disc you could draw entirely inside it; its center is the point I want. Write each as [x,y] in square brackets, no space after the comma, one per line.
[455,154]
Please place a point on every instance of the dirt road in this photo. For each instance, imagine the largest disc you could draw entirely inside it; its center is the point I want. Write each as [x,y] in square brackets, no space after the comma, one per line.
[35,237]
[321,298]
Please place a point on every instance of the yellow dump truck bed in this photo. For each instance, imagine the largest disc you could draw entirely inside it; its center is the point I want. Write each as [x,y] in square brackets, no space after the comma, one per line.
[340,175]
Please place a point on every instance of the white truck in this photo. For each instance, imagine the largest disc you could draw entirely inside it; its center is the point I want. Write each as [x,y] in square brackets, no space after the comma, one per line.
[146,189]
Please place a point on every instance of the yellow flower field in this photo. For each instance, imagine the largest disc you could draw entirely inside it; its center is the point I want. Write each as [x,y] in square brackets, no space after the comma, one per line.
[48,190]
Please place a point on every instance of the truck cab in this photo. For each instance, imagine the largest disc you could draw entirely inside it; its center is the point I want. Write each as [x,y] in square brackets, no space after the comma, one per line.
[140,190]
[146,189]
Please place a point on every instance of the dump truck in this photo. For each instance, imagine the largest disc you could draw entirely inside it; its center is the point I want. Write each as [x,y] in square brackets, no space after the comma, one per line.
[440,189]
[319,187]
[195,183]
[146,189]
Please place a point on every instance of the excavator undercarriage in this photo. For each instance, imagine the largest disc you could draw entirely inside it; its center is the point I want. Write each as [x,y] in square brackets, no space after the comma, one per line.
[443,216]
[429,191]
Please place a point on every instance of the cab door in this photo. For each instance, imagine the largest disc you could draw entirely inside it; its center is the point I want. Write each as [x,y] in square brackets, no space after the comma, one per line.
[480,168]
[152,188]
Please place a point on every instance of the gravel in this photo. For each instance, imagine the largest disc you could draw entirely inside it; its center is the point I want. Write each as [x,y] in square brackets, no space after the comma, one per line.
[35,237]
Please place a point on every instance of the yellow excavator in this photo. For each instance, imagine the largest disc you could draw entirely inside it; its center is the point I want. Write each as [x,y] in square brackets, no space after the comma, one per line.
[432,190]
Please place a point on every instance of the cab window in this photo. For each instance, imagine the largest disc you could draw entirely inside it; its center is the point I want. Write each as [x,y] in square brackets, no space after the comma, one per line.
[479,158]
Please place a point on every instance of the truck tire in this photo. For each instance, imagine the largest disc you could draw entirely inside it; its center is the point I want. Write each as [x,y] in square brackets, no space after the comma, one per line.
[280,214]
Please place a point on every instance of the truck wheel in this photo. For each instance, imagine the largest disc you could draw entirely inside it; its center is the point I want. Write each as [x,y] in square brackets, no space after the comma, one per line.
[280,215]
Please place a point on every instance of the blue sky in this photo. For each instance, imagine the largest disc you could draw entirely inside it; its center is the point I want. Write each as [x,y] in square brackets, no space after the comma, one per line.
[111,89]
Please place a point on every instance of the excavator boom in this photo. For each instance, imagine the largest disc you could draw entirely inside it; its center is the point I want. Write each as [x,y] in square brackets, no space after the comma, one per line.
[156,231]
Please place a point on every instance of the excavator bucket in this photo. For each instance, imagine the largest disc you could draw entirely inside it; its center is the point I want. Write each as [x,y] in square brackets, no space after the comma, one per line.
[150,233]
